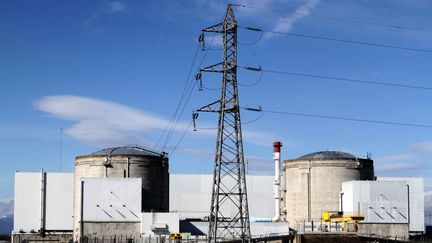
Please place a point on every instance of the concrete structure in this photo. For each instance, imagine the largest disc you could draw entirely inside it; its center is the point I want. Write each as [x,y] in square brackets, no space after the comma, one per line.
[43,202]
[159,223]
[383,204]
[125,162]
[190,195]
[313,182]
[416,202]
[378,201]
[110,206]
[43,205]
[257,228]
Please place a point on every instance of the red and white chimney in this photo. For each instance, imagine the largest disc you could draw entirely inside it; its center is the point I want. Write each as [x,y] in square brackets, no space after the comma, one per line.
[277,192]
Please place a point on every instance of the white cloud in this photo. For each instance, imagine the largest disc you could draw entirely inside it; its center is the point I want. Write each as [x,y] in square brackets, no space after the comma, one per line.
[285,24]
[109,8]
[102,123]
[115,6]
[423,147]
[400,167]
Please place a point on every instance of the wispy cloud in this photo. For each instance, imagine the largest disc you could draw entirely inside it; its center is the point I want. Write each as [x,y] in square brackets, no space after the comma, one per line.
[115,6]
[403,163]
[102,123]
[285,24]
[107,9]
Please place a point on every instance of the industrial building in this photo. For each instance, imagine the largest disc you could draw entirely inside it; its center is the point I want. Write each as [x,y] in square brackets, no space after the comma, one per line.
[129,192]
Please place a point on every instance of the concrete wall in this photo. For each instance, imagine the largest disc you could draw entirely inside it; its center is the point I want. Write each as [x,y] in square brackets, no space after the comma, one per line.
[18,238]
[313,185]
[111,229]
[384,230]
[28,202]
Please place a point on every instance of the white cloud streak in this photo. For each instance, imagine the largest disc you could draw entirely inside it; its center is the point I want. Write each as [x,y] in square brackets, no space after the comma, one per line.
[102,123]
[285,24]
[109,8]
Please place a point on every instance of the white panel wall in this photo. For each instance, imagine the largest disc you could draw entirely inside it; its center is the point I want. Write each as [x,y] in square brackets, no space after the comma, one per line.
[27,205]
[112,199]
[379,202]
[416,194]
[190,195]
[58,202]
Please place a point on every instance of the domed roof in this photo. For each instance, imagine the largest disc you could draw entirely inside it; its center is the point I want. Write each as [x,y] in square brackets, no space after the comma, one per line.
[127,150]
[328,155]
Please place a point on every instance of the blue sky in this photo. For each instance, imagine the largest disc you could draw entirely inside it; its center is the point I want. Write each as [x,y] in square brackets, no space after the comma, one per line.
[111,73]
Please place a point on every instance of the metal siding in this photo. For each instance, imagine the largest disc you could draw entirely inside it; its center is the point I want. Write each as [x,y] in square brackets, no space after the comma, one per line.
[27,205]
[112,199]
[59,201]
[417,207]
[380,202]
[190,195]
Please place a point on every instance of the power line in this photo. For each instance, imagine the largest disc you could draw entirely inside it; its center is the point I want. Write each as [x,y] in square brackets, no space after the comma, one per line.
[344,79]
[347,118]
[346,41]
[364,22]
[191,87]
[181,138]
[173,117]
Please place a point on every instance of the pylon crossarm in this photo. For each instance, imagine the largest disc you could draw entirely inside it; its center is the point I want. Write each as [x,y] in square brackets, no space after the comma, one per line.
[217,28]
[215,68]
[212,107]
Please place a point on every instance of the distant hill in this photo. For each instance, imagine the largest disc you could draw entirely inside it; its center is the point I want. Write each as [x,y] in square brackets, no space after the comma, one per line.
[6,225]
[6,208]
[6,217]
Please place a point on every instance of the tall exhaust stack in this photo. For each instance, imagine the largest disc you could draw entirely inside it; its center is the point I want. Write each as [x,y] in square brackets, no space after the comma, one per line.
[277,192]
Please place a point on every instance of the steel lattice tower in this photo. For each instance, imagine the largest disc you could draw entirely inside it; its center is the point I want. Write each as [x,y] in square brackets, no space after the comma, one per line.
[229,216]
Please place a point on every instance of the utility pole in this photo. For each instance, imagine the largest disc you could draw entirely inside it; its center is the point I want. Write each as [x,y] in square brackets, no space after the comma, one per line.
[229,213]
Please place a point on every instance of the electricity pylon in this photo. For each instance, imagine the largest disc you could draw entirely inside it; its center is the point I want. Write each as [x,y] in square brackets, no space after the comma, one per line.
[229,213]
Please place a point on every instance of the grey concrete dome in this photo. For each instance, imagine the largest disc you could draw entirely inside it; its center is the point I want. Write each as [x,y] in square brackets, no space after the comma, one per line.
[328,155]
[127,150]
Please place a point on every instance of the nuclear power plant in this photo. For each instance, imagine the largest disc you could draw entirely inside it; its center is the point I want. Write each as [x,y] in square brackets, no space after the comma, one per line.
[128,192]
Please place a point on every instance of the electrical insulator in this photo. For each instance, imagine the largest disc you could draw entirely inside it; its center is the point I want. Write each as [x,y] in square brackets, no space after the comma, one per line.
[201,41]
[198,78]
